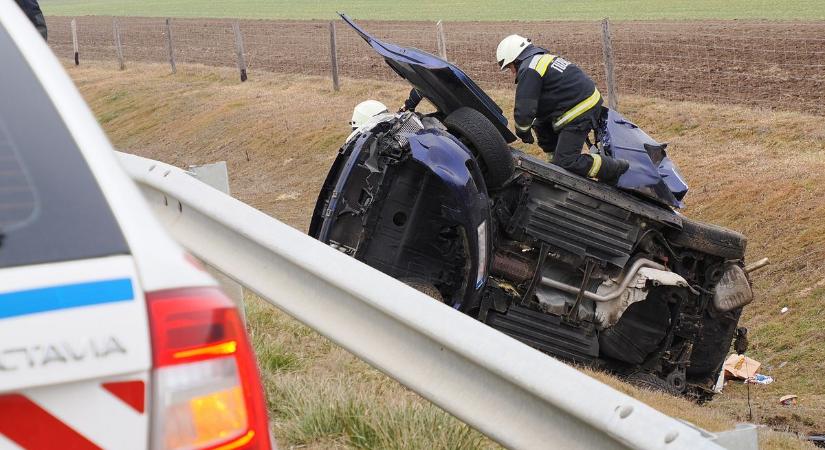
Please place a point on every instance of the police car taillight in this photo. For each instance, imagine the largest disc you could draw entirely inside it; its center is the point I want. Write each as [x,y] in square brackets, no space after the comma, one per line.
[206,388]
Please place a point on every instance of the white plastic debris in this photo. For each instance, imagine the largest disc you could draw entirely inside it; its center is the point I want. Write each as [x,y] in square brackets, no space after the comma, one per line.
[760,379]
[784,310]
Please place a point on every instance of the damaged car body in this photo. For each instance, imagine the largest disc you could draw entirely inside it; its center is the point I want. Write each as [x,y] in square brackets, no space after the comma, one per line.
[610,277]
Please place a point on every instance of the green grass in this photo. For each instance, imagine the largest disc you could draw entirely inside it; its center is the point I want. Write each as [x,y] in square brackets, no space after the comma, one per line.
[462,10]
[321,397]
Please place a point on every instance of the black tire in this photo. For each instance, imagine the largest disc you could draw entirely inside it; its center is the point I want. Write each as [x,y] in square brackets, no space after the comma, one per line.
[651,382]
[482,138]
[710,239]
[424,287]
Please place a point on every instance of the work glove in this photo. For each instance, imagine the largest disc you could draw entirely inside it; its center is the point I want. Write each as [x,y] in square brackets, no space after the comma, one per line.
[525,136]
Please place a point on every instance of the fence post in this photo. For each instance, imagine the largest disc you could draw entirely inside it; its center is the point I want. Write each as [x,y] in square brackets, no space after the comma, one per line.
[236,27]
[74,43]
[442,43]
[333,52]
[170,46]
[612,95]
[118,46]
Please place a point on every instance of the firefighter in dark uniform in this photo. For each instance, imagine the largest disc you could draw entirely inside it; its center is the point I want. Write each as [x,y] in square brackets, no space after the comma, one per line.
[32,10]
[561,103]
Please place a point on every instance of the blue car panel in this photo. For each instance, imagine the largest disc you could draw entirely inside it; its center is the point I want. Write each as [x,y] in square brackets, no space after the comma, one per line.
[442,83]
[652,173]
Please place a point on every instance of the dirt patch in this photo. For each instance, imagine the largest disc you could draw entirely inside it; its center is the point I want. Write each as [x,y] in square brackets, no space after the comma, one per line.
[777,65]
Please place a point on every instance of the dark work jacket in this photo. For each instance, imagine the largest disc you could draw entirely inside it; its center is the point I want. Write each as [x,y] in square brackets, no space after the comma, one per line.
[546,91]
[32,10]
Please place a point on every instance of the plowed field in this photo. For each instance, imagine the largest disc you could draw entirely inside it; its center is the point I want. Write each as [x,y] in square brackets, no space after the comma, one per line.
[776,65]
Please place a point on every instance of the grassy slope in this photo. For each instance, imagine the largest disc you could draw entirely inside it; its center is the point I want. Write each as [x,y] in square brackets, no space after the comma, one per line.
[456,10]
[756,171]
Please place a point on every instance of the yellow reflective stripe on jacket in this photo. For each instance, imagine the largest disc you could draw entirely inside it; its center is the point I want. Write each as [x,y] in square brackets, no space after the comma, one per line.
[597,164]
[578,110]
[539,63]
[543,63]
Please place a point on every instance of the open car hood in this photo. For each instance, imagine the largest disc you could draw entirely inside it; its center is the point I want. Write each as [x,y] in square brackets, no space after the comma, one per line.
[443,84]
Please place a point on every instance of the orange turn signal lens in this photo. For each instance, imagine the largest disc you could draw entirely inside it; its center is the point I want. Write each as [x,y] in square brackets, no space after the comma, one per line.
[237,443]
[201,404]
[218,416]
[224,348]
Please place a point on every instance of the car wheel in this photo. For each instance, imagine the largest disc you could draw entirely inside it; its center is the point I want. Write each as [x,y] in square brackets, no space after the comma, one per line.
[488,146]
[651,382]
[425,288]
[710,239]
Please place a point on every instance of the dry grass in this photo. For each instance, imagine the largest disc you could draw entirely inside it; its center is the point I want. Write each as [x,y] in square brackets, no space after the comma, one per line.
[321,396]
[756,171]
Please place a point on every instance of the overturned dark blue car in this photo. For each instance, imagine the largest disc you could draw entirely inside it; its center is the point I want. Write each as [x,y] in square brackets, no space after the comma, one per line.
[610,277]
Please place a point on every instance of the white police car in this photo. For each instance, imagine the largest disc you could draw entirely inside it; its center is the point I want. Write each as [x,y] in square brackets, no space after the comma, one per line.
[110,335]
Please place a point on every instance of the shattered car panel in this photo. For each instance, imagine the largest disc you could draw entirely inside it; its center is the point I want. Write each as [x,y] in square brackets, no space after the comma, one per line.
[610,277]
[652,173]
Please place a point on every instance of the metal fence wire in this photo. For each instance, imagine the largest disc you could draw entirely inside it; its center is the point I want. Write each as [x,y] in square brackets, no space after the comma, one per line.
[775,65]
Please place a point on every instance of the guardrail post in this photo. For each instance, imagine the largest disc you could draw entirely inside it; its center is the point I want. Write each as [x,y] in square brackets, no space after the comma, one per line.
[236,27]
[333,52]
[217,176]
[170,47]
[612,95]
[74,43]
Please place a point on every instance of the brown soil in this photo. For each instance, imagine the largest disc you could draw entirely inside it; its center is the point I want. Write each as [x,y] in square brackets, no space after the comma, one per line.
[777,65]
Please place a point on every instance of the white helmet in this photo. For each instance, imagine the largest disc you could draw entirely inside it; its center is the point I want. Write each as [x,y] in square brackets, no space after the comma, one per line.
[365,111]
[509,48]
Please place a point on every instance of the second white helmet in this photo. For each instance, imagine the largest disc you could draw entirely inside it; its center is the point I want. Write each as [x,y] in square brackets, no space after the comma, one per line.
[509,48]
[365,111]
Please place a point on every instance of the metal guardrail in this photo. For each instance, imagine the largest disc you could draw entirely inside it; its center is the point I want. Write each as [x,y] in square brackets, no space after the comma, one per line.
[512,393]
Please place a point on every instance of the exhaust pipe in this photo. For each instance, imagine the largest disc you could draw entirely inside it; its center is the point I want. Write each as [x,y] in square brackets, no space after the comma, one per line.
[762,263]
[627,278]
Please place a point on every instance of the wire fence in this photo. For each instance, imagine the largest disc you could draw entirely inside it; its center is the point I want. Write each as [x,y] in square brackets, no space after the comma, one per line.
[775,65]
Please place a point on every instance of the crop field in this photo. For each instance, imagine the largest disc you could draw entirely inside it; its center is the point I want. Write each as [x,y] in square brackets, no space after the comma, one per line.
[464,10]
[756,171]
[767,64]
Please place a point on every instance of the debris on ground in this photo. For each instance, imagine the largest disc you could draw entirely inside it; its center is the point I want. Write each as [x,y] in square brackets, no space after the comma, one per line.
[740,367]
[784,310]
[788,400]
[759,379]
[720,382]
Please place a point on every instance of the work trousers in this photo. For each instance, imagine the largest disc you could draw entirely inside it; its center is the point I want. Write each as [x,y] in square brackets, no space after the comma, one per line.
[566,144]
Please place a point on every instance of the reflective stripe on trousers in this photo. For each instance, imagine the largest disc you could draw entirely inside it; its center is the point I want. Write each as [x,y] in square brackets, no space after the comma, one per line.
[597,164]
